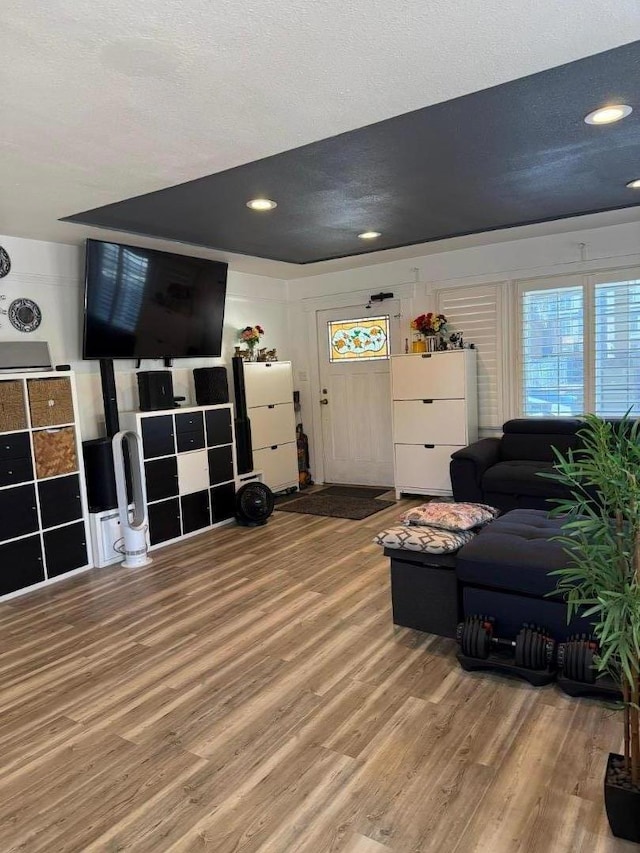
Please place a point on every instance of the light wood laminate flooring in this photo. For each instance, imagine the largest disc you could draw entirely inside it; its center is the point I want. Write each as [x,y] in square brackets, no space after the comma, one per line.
[248,692]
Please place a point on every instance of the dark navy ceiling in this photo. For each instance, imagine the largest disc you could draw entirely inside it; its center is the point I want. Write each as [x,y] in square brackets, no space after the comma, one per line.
[514,154]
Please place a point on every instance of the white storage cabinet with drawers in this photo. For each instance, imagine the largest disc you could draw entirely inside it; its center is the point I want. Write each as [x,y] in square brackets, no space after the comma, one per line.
[269,394]
[435,412]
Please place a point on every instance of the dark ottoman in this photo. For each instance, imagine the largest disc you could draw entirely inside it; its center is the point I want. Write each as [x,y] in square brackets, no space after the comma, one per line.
[503,573]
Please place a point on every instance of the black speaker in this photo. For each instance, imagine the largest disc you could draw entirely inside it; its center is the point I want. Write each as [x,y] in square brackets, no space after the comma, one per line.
[109,397]
[244,452]
[155,390]
[98,469]
[211,385]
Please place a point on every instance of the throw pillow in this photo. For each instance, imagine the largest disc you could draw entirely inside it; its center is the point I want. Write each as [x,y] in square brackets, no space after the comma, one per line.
[450,516]
[429,540]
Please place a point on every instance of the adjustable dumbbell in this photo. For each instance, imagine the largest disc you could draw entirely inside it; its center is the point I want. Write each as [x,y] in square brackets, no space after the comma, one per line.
[576,658]
[533,647]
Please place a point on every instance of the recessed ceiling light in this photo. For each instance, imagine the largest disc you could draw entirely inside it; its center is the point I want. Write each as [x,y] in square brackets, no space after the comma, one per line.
[608,114]
[261,204]
[369,235]
[634,185]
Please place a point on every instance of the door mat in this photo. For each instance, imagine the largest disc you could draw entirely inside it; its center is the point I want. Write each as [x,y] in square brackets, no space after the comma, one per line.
[335,506]
[355,491]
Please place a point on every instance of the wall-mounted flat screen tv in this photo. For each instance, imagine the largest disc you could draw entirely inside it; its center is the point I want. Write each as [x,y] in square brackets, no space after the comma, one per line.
[142,303]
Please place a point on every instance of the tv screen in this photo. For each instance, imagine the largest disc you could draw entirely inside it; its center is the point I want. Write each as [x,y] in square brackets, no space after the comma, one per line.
[142,303]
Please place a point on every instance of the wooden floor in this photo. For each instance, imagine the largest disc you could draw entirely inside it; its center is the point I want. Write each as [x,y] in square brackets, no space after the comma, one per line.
[248,692]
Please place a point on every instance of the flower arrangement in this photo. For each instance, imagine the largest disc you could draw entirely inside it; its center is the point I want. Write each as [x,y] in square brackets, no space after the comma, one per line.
[251,335]
[430,324]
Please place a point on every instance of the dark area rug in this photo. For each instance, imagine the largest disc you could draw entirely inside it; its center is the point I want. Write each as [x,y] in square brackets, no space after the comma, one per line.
[354,491]
[335,506]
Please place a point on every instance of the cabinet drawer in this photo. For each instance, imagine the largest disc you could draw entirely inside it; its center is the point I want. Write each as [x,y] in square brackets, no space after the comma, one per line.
[223,502]
[14,471]
[65,549]
[60,500]
[190,441]
[15,445]
[434,422]
[157,436]
[273,424]
[164,521]
[195,511]
[279,465]
[161,478]
[50,402]
[423,468]
[190,422]
[55,452]
[13,412]
[21,564]
[435,376]
[220,465]
[268,382]
[218,427]
[18,511]
[193,472]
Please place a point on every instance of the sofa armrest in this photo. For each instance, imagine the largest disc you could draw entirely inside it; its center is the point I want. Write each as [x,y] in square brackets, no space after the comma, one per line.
[468,467]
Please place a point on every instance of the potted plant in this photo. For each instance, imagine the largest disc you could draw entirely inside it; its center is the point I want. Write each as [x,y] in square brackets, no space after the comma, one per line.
[601,534]
[432,327]
[250,336]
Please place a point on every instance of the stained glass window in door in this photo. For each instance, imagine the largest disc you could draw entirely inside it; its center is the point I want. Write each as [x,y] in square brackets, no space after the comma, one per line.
[364,339]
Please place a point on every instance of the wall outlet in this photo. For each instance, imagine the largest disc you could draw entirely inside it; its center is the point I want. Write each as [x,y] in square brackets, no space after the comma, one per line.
[303,376]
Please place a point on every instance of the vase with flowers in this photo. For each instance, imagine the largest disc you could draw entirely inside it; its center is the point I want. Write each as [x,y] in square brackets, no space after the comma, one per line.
[250,336]
[431,328]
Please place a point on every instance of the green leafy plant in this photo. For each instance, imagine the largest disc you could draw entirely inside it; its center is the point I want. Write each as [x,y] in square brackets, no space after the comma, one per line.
[601,534]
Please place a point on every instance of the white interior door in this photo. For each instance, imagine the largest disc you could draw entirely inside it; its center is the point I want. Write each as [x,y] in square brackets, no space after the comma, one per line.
[356,417]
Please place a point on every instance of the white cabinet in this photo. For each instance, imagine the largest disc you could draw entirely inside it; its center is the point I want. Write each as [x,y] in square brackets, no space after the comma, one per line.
[189,466]
[44,522]
[268,388]
[434,414]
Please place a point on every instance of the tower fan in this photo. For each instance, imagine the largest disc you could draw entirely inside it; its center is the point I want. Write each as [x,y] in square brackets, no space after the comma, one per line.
[254,504]
[134,523]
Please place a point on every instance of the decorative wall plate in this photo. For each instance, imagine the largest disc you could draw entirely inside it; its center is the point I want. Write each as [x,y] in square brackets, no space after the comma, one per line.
[24,315]
[5,262]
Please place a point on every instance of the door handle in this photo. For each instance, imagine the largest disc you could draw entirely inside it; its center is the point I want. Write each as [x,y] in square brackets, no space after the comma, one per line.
[324,402]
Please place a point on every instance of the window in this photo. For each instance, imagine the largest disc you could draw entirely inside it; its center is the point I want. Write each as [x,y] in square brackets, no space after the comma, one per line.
[617,347]
[476,312]
[552,351]
[580,347]
[363,339]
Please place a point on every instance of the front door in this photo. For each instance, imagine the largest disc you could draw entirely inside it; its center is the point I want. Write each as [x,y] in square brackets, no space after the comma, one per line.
[355,403]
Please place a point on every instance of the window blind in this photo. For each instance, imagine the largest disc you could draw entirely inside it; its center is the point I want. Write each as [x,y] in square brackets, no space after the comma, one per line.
[617,348]
[552,350]
[476,312]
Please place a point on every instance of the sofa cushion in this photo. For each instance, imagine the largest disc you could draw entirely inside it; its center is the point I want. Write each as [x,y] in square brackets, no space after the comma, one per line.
[429,540]
[515,552]
[521,477]
[450,516]
[535,438]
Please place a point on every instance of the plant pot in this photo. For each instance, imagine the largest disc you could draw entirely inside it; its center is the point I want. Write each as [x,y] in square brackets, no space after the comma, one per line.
[622,805]
[419,346]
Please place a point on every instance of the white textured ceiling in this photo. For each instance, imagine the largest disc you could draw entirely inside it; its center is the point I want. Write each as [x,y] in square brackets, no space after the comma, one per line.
[105,99]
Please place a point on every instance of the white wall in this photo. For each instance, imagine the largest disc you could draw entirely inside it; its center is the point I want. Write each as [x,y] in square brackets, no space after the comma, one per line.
[52,275]
[418,279]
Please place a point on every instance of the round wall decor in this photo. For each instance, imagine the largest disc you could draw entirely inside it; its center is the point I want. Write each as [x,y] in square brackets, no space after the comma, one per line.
[5,262]
[24,315]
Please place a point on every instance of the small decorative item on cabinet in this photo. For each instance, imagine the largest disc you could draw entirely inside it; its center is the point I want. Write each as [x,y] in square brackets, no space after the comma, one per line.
[431,329]
[250,336]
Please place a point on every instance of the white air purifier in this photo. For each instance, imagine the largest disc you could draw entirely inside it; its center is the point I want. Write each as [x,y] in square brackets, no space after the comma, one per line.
[133,522]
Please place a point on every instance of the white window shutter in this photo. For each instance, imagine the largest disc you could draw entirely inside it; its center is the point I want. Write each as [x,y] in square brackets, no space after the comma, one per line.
[476,312]
[617,348]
